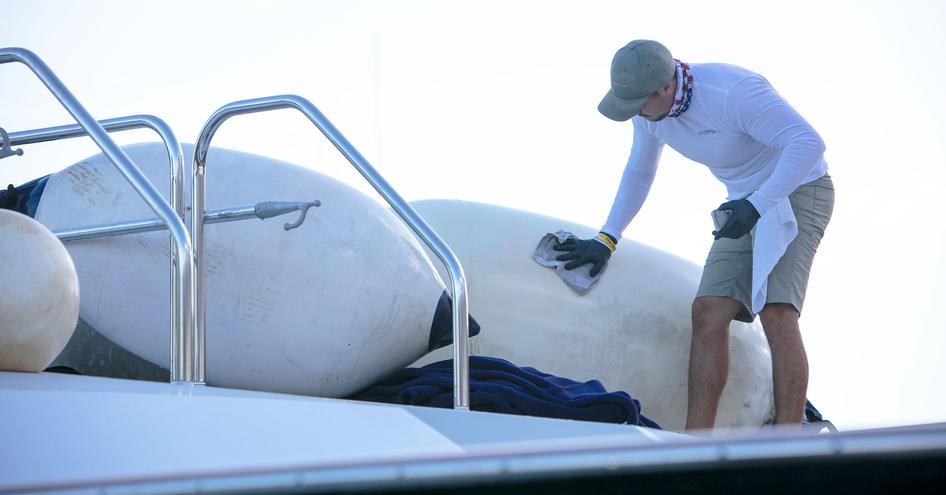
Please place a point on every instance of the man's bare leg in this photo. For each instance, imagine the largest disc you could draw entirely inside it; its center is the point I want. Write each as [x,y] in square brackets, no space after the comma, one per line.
[789,361]
[709,358]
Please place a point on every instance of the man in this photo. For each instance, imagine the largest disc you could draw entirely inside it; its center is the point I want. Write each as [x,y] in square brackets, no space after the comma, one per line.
[780,201]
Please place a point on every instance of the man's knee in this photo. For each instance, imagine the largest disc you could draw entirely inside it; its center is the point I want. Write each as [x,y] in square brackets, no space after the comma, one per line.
[710,313]
[778,315]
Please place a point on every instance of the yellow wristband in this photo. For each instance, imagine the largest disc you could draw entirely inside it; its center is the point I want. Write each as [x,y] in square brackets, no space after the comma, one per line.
[607,241]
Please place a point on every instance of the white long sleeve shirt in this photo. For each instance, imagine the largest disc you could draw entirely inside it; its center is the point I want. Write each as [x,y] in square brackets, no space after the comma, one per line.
[751,139]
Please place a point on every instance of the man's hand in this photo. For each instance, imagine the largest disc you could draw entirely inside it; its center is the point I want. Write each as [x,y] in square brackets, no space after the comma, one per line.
[743,218]
[581,252]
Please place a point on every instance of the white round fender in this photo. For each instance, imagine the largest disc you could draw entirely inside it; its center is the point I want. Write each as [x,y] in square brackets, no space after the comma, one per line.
[39,305]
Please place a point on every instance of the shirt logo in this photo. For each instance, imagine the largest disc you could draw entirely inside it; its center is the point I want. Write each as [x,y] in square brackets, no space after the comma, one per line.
[707,132]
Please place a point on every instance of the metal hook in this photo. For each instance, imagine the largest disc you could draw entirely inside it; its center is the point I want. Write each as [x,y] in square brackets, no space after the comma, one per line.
[269,209]
[6,149]
[303,208]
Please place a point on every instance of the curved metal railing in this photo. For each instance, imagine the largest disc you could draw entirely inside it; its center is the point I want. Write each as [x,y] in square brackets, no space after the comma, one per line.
[182,254]
[401,207]
[181,307]
[118,124]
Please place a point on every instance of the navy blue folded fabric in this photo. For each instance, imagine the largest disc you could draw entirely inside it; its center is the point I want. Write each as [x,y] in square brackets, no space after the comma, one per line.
[497,385]
[25,198]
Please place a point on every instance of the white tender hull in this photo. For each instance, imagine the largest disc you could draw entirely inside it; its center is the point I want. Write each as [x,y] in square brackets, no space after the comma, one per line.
[325,309]
[631,332]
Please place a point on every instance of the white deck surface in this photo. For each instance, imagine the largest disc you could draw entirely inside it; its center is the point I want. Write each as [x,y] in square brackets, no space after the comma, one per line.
[69,432]
[86,435]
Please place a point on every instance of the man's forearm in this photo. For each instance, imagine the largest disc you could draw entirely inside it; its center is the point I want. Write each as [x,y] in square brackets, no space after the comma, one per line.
[795,163]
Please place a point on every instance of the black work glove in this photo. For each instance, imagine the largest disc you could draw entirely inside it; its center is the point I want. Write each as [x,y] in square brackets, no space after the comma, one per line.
[743,218]
[581,252]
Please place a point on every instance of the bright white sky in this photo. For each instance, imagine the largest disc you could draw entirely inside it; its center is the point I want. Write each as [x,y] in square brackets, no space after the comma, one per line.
[495,101]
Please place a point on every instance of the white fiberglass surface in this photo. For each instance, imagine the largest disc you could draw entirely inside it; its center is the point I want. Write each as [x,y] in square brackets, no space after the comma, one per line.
[63,430]
[56,435]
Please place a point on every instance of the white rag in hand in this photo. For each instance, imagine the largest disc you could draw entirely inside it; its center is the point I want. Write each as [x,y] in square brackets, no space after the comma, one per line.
[579,279]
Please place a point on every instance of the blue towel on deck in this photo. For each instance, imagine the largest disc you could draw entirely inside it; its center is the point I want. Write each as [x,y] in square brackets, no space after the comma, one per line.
[497,385]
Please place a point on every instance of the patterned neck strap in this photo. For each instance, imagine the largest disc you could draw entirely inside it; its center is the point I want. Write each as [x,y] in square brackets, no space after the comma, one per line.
[681,102]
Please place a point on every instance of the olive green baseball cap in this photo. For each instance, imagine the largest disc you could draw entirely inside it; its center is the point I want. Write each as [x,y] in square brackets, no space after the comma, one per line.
[637,70]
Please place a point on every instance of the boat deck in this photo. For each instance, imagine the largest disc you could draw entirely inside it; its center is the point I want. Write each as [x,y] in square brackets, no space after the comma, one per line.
[69,431]
[77,434]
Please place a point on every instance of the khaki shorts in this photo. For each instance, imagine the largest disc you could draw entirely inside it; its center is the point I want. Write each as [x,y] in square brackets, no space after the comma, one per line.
[728,269]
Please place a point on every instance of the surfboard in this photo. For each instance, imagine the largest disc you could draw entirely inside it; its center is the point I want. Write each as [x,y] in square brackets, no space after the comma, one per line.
[631,332]
[325,309]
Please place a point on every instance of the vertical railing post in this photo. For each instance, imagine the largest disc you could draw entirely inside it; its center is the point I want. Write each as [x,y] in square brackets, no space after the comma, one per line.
[182,276]
[180,314]
[402,208]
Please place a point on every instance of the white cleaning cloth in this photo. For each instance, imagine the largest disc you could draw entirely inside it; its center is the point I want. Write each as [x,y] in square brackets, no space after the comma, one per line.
[773,233]
[579,279]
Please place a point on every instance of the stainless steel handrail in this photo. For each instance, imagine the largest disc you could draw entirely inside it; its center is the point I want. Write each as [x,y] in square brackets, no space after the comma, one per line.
[176,161]
[175,151]
[401,207]
[182,254]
